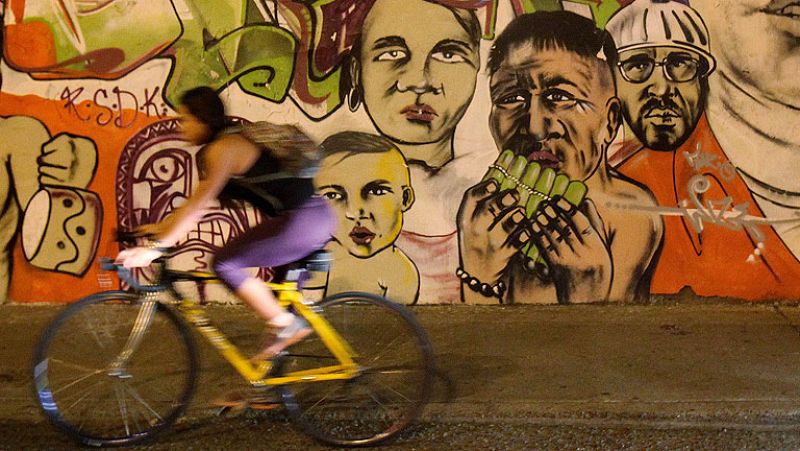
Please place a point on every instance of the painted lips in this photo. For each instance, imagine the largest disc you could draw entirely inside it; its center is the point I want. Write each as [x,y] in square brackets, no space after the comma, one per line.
[544,158]
[663,115]
[419,113]
[361,235]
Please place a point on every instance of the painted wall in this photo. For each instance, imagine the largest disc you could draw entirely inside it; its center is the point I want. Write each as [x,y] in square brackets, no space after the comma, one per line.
[510,172]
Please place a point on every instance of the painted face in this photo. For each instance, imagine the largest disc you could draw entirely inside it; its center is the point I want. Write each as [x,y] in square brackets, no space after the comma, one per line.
[552,107]
[418,70]
[369,192]
[192,129]
[757,43]
[661,111]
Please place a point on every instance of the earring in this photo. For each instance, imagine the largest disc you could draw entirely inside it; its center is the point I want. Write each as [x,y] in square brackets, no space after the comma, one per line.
[353,99]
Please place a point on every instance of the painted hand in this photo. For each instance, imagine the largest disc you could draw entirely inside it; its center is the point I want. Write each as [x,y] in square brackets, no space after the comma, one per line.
[137,257]
[68,161]
[573,244]
[491,230]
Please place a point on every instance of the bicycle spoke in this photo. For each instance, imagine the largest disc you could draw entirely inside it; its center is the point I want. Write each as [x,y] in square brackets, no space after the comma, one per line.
[388,348]
[135,395]
[82,396]
[378,402]
[75,366]
[77,381]
[393,391]
[123,411]
[333,390]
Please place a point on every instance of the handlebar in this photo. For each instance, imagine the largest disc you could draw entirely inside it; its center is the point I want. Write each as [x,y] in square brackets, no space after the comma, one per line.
[125,274]
[107,264]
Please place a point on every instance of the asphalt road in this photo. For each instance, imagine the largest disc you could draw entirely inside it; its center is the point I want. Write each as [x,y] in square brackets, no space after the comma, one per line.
[260,430]
[673,376]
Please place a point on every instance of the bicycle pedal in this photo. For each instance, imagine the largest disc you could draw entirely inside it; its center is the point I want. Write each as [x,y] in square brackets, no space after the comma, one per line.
[263,405]
[221,411]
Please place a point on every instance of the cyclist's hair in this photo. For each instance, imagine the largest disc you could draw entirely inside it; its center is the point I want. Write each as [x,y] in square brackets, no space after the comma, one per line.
[554,30]
[204,104]
[353,143]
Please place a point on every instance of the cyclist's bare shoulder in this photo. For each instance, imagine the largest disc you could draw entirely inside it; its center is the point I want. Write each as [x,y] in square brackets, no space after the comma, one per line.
[234,149]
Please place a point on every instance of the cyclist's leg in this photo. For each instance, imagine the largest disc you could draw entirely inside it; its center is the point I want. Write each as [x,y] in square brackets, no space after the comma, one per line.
[276,241]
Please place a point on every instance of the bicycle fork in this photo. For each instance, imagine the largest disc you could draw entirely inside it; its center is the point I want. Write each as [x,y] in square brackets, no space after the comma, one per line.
[117,368]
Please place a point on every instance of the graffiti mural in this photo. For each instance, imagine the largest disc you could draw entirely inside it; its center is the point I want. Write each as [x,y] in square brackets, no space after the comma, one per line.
[476,151]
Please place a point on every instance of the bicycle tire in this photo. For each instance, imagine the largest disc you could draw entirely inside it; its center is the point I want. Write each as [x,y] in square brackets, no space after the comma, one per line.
[73,378]
[368,409]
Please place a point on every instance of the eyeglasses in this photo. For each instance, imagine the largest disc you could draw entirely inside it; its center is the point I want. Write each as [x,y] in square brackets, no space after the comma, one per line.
[677,67]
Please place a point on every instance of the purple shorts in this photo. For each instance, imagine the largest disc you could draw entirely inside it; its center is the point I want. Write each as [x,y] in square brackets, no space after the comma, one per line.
[277,241]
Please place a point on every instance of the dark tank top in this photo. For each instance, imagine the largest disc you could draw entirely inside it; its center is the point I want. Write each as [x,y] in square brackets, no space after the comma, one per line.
[268,188]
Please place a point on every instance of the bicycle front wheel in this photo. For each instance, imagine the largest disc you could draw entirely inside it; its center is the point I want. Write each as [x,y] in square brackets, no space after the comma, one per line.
[394,380]
[109,372]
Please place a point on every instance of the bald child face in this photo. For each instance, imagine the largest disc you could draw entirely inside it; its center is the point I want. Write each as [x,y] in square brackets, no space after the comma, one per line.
[369,192]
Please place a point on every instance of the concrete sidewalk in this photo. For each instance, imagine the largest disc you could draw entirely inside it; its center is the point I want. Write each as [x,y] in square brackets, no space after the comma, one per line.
[731,364]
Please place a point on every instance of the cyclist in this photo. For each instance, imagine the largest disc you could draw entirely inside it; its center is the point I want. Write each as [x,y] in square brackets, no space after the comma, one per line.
[297,223]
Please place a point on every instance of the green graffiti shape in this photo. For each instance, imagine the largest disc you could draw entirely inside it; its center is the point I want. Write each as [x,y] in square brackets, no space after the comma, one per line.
[216,50]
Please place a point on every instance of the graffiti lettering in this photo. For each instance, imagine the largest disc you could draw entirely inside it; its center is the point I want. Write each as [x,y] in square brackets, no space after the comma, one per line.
[118,121]
[108,111]
[722,212]
[149,104]
[117,106]
[699,160]
[69,97]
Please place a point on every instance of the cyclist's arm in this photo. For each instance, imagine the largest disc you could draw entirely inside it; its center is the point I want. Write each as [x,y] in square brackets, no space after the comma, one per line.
[228,156]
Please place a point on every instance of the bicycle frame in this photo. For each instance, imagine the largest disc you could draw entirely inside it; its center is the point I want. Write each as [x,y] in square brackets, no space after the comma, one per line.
[257,374]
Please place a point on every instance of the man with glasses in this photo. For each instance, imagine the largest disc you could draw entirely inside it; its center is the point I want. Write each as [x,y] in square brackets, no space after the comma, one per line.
[664,61]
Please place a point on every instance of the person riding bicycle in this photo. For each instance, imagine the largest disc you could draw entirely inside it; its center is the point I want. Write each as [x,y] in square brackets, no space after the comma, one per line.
[233,166]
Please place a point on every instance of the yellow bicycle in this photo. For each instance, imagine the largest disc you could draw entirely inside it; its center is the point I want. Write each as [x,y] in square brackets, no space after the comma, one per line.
[119,367]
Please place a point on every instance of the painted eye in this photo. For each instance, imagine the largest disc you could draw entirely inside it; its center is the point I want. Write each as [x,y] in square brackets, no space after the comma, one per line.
[558,97]
[165,169]
[333,195]
[511,99]
[379,191]
[448,57]
[391,55]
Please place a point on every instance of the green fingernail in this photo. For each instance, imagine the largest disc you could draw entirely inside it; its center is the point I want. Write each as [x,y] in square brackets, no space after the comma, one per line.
[515,171]
[545,182]
[503,161]
[575,192]
[560,185]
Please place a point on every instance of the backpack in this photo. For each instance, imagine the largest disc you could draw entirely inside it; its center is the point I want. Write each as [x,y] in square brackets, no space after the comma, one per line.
[298,154]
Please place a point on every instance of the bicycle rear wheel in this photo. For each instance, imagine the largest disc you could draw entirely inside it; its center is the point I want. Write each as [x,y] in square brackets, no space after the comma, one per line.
[95,394]
[396,369]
